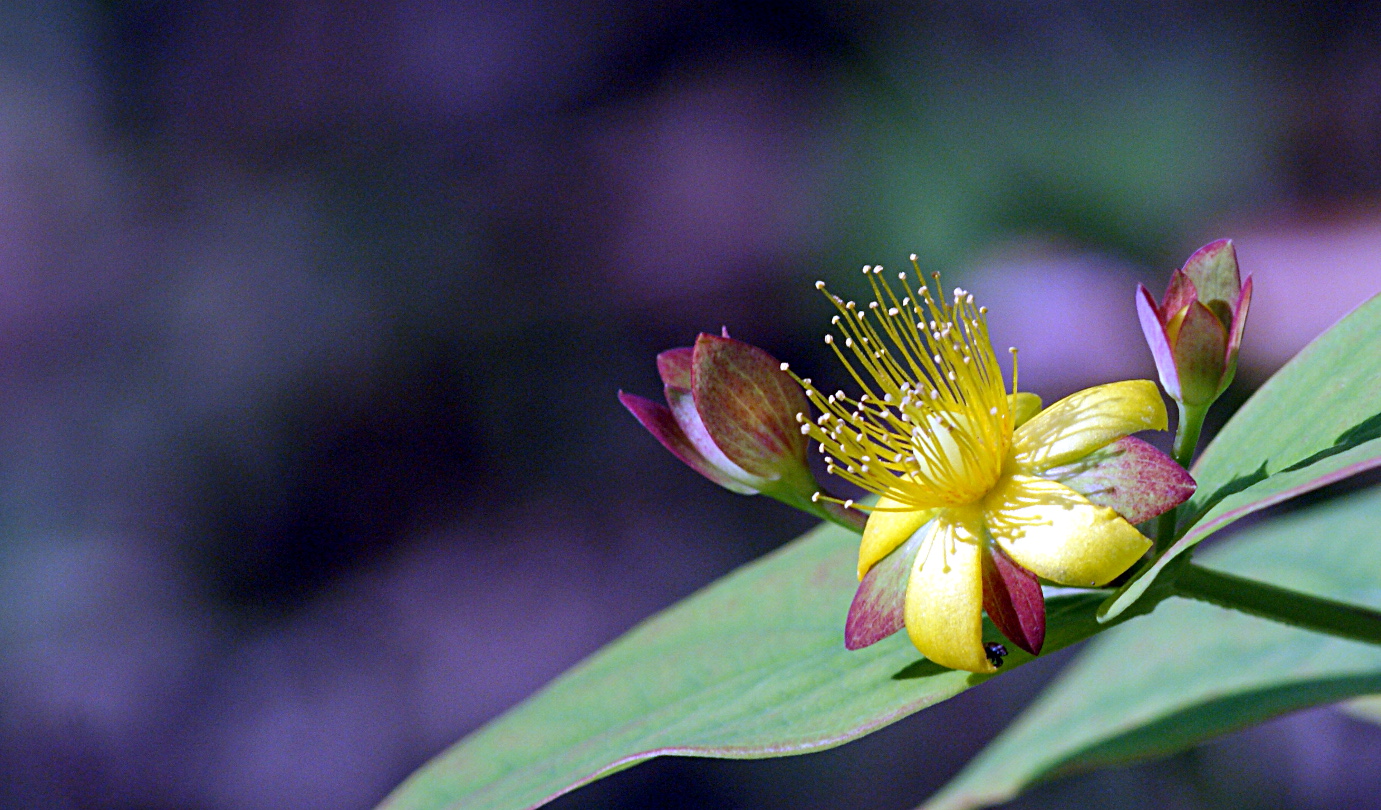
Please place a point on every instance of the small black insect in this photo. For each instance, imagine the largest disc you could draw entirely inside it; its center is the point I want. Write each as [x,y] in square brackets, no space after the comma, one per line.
[995,652]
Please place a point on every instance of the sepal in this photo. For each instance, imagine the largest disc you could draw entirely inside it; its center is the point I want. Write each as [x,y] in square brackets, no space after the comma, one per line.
[1135,479]
[1013,599]
[879,606]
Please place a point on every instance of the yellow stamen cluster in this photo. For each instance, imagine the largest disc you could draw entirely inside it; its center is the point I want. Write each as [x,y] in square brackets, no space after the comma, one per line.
[932,425]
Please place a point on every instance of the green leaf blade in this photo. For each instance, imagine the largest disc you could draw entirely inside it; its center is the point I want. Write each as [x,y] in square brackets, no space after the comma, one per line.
[1190,671]
[752,666]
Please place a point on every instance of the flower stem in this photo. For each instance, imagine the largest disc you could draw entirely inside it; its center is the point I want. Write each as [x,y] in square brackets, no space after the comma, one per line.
[1280,604]
[1187,432]
[793,495]
[851,519]
[1186,440]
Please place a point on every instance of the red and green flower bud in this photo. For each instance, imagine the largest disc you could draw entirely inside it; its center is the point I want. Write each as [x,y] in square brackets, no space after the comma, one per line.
[1195,331]
[731,415]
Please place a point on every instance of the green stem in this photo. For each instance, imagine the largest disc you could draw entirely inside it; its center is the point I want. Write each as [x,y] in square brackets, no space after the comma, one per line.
[851,519]
[793,494]
[1187,430]
[1280,604]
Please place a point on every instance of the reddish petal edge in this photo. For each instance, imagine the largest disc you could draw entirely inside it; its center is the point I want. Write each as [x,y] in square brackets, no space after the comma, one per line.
[1131,477]
[662,424]
[1179,294]
[674,366]
[879,606]
[687,416]
[1239,317]
[1154,331]
[1213,270]
[1013,599]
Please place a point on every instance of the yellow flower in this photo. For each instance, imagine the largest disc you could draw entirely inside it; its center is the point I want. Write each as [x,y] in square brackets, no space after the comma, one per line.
[937,435]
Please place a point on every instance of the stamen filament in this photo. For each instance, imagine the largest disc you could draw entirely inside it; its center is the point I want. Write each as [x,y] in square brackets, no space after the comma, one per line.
[932,423]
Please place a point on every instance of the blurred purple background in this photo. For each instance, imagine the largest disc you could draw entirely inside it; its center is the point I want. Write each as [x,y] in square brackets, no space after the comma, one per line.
[312,317]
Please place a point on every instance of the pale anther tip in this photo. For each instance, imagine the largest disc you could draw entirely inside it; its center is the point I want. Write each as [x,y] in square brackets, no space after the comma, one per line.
[913,257]
[815,497]
[819,285]
[849,504]
[784,366]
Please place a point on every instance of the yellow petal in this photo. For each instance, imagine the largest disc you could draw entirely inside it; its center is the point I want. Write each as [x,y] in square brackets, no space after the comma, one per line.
[944,596]
[1083,422]
[887,530]
[1024,405]
[1056,533]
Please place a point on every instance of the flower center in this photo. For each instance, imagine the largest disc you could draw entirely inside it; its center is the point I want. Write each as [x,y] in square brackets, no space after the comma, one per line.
[932,425]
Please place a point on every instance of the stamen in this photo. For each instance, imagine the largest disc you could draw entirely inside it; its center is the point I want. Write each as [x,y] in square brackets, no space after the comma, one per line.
[931,424]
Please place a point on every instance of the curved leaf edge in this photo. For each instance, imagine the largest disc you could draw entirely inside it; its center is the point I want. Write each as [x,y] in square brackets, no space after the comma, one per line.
[1135,589]
[1113,751]
[1071,617]
[1279,700]
[1070,633]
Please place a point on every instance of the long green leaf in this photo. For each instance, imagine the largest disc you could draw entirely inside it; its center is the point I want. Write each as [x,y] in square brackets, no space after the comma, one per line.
[1190,671]
[753,666]
[1316,421]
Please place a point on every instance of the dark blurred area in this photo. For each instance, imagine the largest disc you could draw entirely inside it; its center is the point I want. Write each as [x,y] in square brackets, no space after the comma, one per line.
[312,317]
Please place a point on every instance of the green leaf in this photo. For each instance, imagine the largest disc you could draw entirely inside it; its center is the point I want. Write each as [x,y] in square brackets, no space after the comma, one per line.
[1189,671]
[753,666]
[1316,421]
